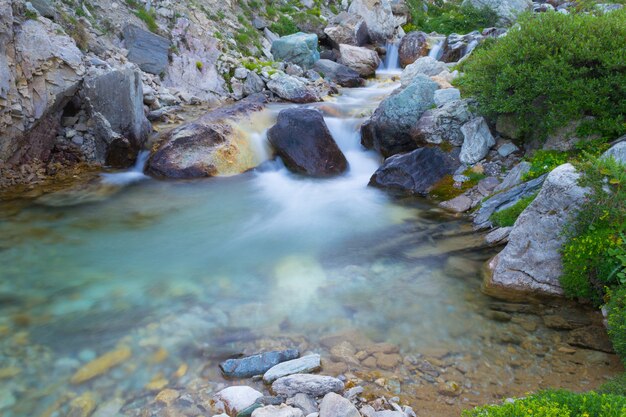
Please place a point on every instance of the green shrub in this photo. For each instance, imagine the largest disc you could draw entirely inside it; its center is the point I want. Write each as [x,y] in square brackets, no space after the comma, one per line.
[616,318]
[556,404]
[594,252]
[616,386]
[284,26]
[149,18]
[543,161]
[553,69]
[448,17]
[508,216]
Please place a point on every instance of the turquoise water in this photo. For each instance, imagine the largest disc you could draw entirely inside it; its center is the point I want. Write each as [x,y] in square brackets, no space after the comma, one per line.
[207,269]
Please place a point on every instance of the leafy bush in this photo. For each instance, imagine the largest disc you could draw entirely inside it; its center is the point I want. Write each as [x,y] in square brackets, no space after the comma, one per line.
[616,317]
[448,17]
[543,161]
[284,26]
[594,254]
[556,404]
[615,386]
[508,216]
[553,69]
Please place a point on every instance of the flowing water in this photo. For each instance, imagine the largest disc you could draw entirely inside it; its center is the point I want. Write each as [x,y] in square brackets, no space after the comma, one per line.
[391,64]
[170,277]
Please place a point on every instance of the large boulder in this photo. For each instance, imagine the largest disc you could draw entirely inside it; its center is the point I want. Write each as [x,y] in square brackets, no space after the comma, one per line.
[194,45]
[443,124]
[303,141]
[338,73]
[212,145]
[299,48]
[292,89]
[617,151]
[348,29]
[378,16]
[424,65]
[362,60]
[389,129]
[40,70]
[415,172]
[114,101]
[477,140]
[507,10]
[413,46]
[531,262]
[146,49]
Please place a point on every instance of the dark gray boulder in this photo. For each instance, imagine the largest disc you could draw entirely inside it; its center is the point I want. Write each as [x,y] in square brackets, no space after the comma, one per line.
[340,74]
[389,129]
[146,49]
[415,172]
[303,141]
[257,364]
[115,105]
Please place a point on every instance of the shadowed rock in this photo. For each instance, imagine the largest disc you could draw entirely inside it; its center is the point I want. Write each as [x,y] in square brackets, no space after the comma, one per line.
[256,364]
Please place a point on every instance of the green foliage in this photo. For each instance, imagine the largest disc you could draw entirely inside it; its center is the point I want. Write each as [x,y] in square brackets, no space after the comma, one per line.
[553,69]
[556,404]
[31,15]
[508,216]
[284,26]
[616,386]
[616,308]
[543,161]
[447,188]
[447,17]
[594,251]
[149,18]
[199,65]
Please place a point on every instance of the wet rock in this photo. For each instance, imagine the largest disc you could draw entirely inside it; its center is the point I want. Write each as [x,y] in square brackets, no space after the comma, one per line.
[82,406]
[389,129]
[412,46]
[101,365]
[459,204]
[305,364]
[389,413]
[531,261]
[334,405]
[257,364]
[277,411]
[302,139]
[299,48]
[498,236]
[378,16]
[362,60]
[446,95]
[338,73]
[115,105]
[314,385]
[424,65]
[7,398]
[387,361]
[415,172]
[232,400]
[477,140]
[349,29]
[507,10]
[253,84]
[344,352]
[208,146]
[457,46]
[443,124]
[304,402]
[146,49]
[591,337]
[505,199]
[292,89]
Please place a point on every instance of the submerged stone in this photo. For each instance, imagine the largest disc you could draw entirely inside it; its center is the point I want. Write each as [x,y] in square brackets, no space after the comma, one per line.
[101,365]
[256,364]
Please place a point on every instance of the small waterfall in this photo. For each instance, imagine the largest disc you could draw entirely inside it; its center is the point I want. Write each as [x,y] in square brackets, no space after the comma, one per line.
[134,174]
[436,51]
[391,63]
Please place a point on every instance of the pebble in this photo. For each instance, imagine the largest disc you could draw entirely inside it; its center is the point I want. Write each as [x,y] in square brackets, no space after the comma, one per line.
[334,405]
[304,402]
[7,399]
[277,411]
[305,364]
[232,400]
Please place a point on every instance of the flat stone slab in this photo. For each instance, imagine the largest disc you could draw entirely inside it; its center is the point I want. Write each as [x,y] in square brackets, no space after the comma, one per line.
[257,364]
[305,364]
[314,385]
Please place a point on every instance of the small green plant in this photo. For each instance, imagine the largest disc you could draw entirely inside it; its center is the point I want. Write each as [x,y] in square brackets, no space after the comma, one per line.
[508,216]
[559,403]
[30,14]
[284,26]
[554,69]
[199,66]
[543,161]
[149,18]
